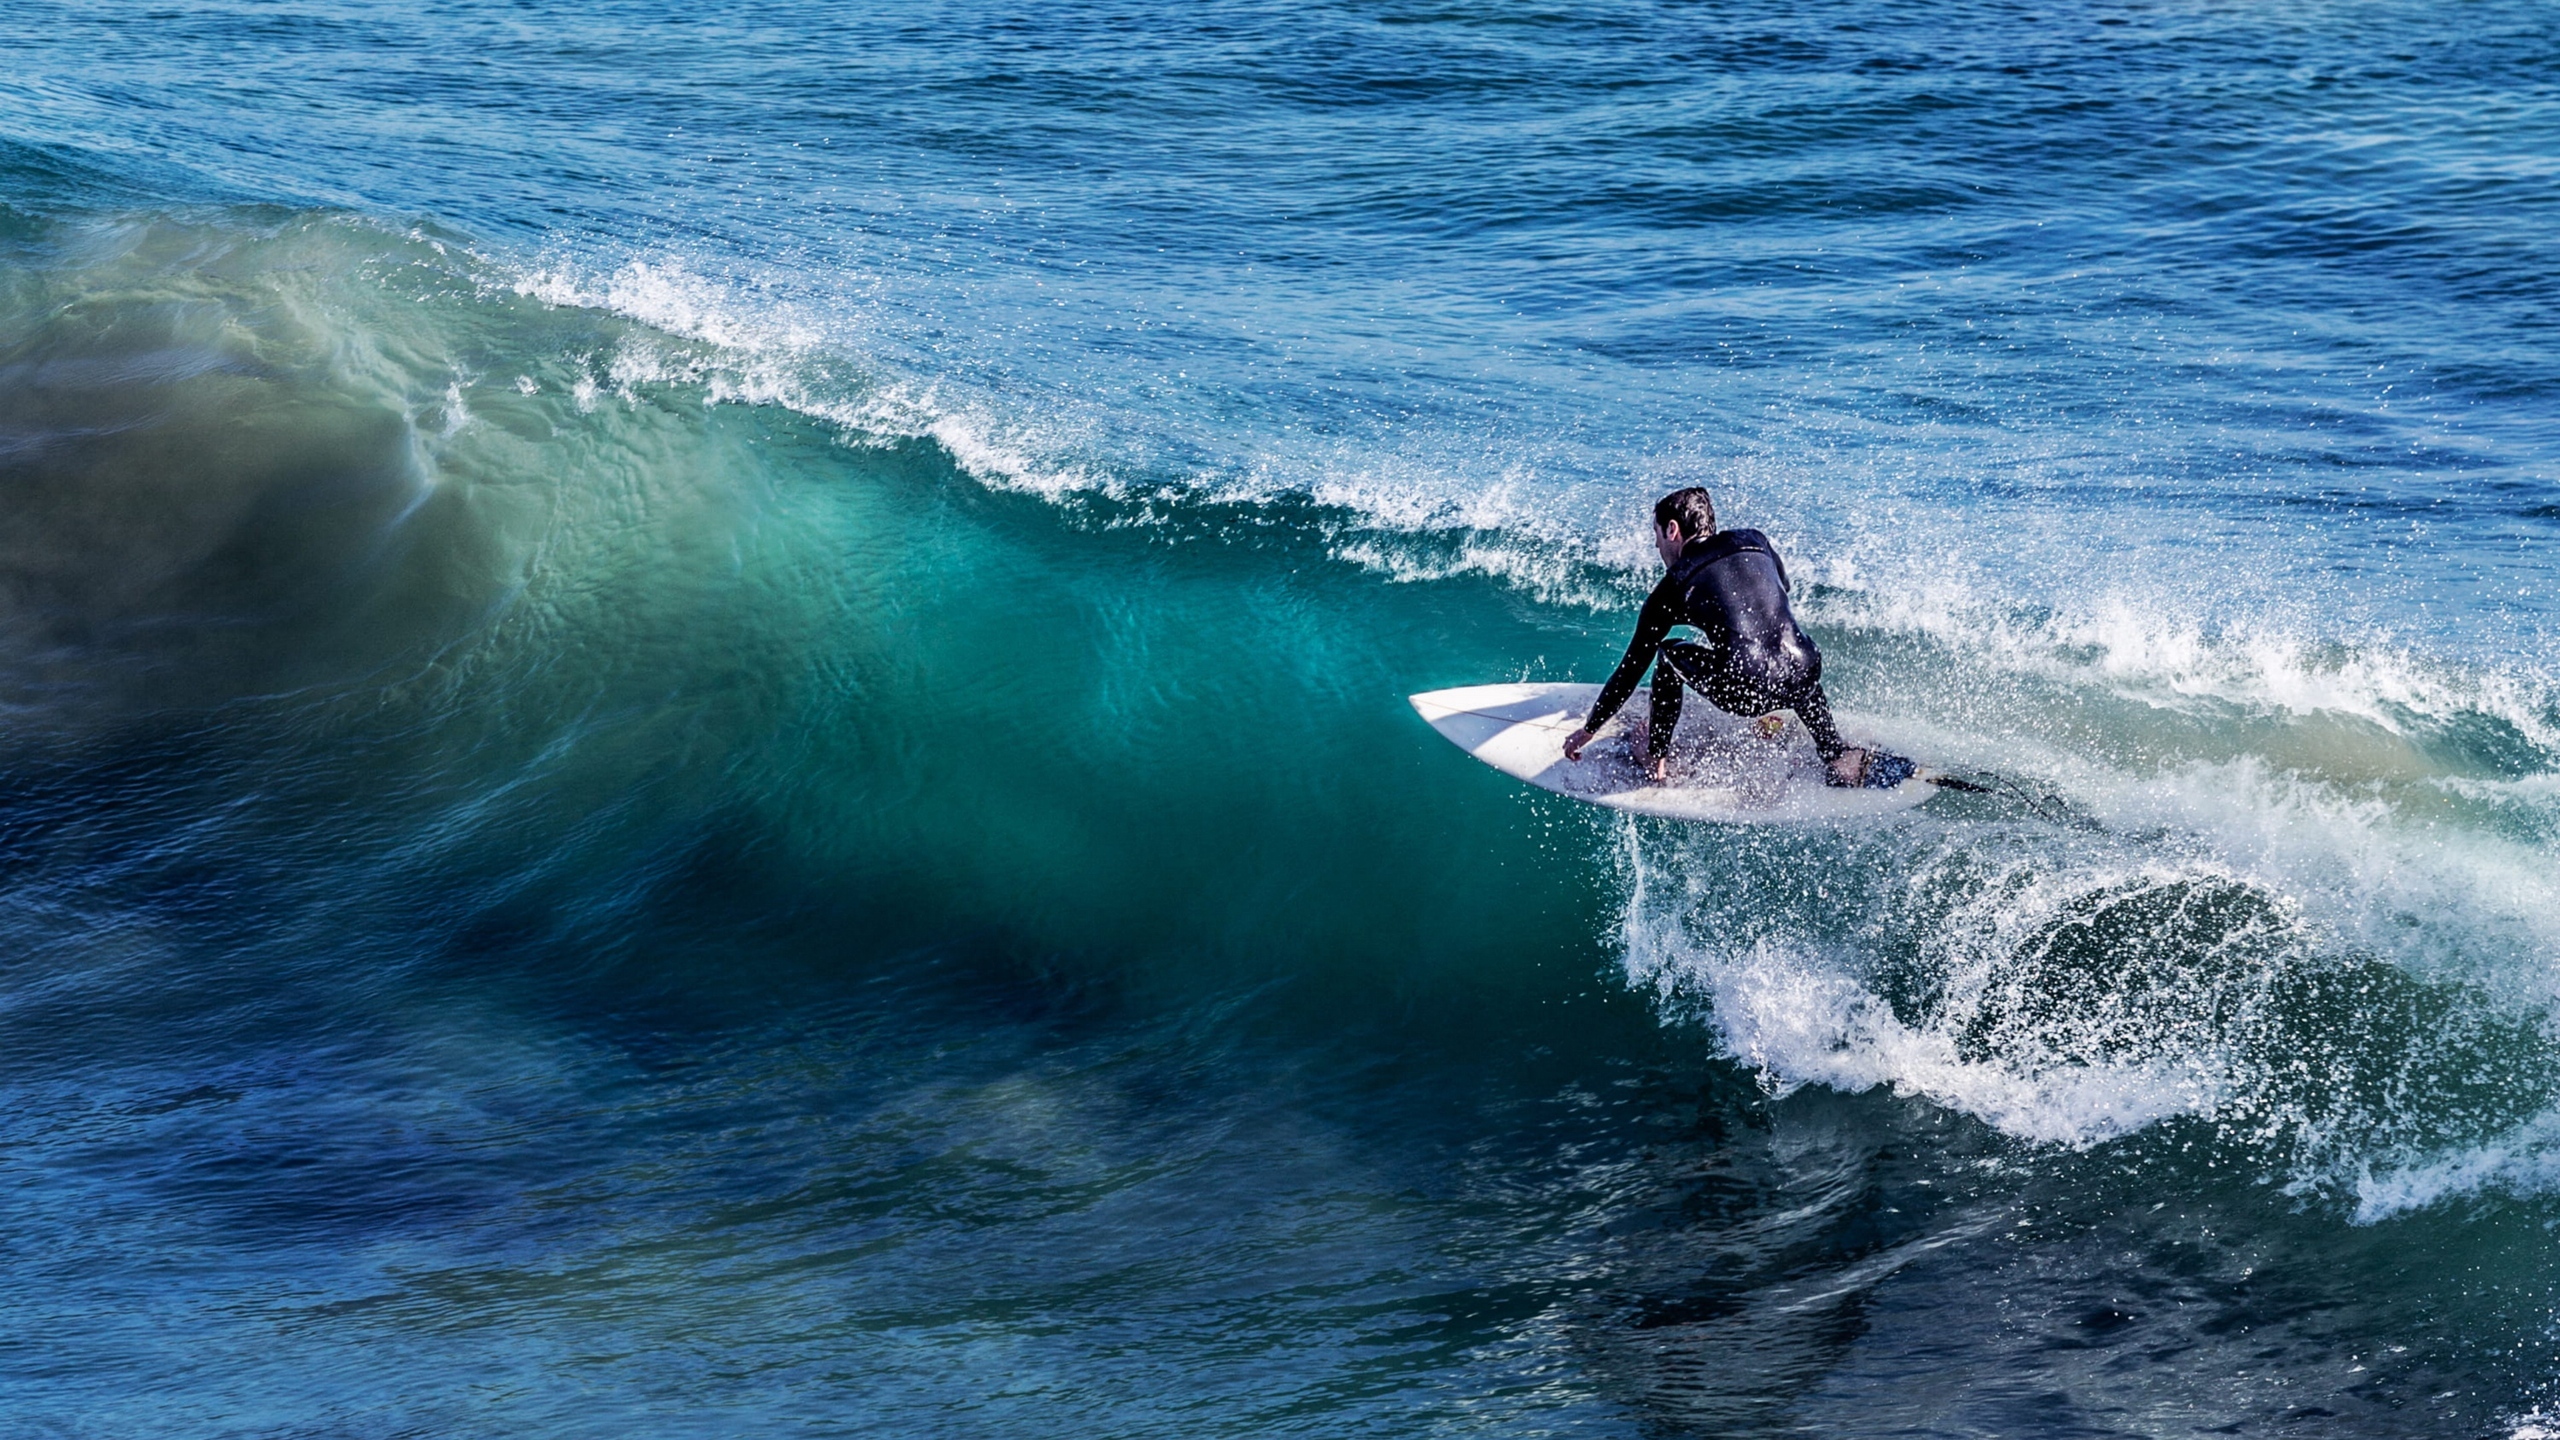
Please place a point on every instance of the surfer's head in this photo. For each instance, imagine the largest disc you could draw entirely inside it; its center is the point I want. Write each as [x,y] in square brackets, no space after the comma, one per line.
[1680,517]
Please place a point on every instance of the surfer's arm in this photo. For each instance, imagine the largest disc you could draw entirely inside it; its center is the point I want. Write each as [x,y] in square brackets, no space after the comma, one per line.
[1653,626]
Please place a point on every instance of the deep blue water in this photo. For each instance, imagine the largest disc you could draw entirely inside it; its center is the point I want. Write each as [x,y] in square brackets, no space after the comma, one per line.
[702,724]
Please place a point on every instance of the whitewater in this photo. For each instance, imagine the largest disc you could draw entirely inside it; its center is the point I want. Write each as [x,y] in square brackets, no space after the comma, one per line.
[702,720]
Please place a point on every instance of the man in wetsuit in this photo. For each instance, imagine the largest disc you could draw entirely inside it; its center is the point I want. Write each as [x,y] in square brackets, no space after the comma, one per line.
[1755,660]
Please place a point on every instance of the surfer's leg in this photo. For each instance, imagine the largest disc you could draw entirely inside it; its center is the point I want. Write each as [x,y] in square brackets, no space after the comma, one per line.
[1843,764]
[1663,715]
[1814,709]
[1677,666]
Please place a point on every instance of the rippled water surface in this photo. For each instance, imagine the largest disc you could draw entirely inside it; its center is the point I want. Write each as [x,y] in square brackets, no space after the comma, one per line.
[702,724]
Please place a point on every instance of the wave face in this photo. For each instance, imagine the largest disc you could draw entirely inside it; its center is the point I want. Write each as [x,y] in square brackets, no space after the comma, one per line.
[704,721]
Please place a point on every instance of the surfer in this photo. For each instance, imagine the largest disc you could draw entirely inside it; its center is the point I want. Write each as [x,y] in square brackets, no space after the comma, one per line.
[1731,587]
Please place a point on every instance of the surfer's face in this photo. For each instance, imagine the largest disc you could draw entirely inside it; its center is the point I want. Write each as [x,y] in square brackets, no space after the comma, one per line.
[1668,540]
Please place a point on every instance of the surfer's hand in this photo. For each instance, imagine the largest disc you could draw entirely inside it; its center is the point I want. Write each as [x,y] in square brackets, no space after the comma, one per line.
[1574,742]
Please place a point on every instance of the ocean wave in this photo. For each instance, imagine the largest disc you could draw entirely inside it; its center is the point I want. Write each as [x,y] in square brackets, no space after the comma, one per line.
[1435,516]
[2258,858]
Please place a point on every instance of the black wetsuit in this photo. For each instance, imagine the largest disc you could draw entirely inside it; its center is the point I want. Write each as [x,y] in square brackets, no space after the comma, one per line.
[1756,659]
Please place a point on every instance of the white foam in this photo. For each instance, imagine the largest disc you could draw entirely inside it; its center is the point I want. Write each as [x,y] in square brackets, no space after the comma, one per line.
[756,351]
[2140,648]
[668,296]
[456,414]
[1801,1017]
[2291,871]
[2534,797]
[2535,1425]
[2435,896]
[2526,1160]
[1535,571]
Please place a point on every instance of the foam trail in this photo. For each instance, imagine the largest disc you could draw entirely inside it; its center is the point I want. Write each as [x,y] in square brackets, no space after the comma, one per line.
[2352,998]
[1801,1016]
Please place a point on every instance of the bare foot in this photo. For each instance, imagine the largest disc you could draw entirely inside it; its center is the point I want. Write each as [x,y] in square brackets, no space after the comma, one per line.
[1849,768]
[1658,771]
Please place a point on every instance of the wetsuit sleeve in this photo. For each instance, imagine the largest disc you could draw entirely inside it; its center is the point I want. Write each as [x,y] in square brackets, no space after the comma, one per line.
[1653,626]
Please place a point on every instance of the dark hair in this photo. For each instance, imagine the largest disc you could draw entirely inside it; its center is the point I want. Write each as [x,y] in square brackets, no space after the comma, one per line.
[1693,508]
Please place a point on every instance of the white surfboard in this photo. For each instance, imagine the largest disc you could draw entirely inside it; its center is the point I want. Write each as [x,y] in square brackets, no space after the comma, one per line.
[1721,768]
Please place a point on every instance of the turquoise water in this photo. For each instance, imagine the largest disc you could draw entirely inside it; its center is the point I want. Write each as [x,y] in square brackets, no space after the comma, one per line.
[704,724]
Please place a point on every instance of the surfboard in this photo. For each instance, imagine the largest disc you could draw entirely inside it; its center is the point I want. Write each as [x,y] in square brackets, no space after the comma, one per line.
[1722,768]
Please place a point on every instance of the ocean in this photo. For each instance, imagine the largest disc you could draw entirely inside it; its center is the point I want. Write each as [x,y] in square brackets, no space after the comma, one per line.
[703,727]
